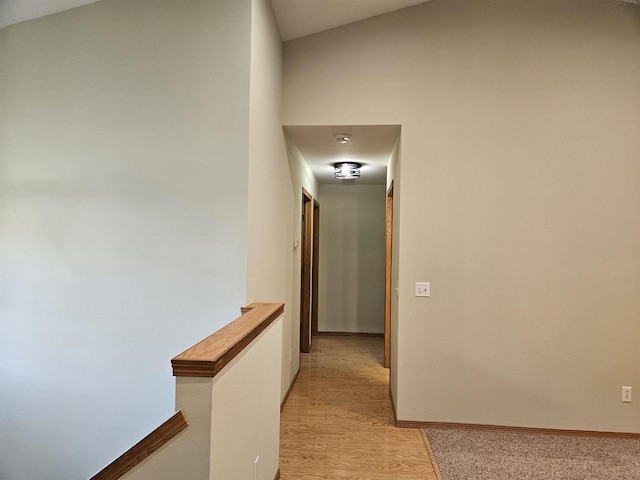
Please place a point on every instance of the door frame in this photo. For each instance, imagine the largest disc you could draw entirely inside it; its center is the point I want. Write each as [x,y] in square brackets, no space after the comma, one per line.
[314,269]
[306,243]
[387,277]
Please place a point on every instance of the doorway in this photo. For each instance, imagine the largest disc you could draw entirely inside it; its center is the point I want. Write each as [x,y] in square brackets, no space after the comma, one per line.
[342,282]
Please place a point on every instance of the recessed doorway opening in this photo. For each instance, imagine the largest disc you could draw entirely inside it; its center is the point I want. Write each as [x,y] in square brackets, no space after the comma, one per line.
[346,276]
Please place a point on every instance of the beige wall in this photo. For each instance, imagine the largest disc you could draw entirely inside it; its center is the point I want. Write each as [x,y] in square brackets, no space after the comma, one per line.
[189,452]
[245,420]
[301,177]
[352,249]
[519,199]
[393,180]
[270,253]
[233,419]
[123,217]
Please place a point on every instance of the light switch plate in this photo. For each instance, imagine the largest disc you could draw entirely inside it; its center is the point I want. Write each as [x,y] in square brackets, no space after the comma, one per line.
[423,289]
[626,394]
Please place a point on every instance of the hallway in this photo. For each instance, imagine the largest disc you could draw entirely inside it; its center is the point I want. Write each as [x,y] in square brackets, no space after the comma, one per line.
[338,420]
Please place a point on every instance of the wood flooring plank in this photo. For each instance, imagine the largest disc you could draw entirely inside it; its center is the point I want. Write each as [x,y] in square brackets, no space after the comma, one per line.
[338,421]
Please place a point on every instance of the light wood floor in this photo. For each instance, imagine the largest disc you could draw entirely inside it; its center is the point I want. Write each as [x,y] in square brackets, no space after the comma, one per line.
[338,420]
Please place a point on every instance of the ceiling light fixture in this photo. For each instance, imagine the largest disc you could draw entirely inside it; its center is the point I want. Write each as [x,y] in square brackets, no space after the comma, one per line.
[347,170]
[342,137]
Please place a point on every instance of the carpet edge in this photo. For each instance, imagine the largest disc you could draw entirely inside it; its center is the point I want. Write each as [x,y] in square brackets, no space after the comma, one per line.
[506,428]
[432,457]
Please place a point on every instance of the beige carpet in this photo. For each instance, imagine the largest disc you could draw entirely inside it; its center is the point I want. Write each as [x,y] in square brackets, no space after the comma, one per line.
[468,454]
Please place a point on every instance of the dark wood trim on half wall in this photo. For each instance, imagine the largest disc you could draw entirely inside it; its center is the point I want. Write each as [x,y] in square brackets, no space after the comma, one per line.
[144,448]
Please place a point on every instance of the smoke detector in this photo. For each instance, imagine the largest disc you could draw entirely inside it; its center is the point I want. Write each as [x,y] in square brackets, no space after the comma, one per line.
[342,137]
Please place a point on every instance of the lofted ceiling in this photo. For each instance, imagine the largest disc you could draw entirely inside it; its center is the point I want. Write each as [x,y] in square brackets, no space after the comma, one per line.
[15,11]
[299,18]
[371,145]
[296,18]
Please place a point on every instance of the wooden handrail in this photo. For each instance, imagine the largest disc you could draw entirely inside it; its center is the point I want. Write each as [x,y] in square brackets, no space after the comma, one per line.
[145,447]
[208,357]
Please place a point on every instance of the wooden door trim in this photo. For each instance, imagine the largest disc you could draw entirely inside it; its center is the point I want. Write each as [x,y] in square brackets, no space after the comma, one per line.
[305,271]
[314,270]
[387,276]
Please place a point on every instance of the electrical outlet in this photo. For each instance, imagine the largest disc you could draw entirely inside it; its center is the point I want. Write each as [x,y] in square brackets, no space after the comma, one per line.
[255,471]
[423,289]
[626,394]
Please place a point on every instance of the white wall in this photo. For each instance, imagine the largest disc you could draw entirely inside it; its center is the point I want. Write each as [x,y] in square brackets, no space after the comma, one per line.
[352,259]
[519,199]
[123,216]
